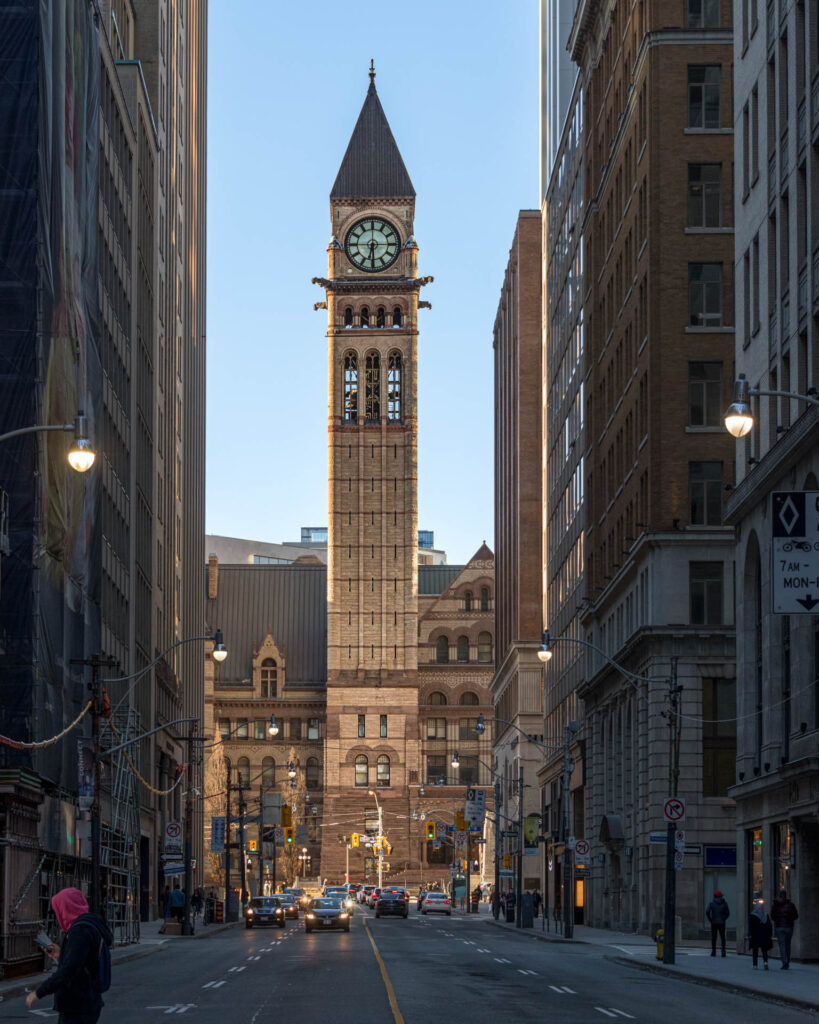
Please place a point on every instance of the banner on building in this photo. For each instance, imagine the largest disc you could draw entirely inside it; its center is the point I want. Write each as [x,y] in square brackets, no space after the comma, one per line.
[531,831]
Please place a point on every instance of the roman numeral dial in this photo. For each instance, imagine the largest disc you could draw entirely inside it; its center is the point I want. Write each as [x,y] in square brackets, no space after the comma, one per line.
[372,244]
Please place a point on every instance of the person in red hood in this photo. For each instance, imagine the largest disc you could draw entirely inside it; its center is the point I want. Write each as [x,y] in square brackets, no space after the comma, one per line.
[75,983]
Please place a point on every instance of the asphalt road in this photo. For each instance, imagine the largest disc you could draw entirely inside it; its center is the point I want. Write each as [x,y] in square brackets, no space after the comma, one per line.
[455,970]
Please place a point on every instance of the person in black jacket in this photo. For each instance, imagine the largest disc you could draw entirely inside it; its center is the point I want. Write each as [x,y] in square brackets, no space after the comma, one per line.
[717,913]
[75,983]
[760,932]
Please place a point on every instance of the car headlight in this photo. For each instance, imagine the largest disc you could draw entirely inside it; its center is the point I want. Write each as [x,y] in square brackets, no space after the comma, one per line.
[311,916]
[342,914]
[250,912]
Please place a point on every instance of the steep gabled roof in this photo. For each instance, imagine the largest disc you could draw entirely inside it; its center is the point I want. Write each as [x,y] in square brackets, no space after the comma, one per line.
[372,165]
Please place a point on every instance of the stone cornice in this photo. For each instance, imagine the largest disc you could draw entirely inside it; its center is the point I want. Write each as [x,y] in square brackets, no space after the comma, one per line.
[344,286]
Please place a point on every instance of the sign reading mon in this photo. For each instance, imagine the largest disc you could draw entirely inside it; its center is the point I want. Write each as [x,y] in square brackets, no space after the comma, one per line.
[795,552]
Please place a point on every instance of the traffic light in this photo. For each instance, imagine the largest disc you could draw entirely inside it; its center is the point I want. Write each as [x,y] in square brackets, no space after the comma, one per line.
[289,835]
[354,839]
[460,821]
[387,847]
[430,830]
[252,846]
[287,814]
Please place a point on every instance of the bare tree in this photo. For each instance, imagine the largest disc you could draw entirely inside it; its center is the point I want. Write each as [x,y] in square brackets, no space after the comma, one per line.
[216,783]
[295,798]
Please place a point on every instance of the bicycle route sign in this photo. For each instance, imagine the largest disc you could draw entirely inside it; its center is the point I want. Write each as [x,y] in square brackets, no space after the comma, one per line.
[795,552]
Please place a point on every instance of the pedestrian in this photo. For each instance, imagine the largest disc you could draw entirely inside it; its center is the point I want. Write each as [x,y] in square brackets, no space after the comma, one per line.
[718,913]
[176,903]
[166,901]
[494,900]
[537,900]
[784,915]
[760,932]
[76,982]
[197,901]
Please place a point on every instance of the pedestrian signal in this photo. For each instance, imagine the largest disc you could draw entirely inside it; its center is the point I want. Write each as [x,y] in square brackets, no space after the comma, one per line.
[354,839]
[431,830]
[289,836]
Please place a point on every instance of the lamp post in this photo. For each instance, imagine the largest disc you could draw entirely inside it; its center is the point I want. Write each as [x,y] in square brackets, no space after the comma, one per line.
[81,455]
[674,724]
[373,793]
[739,419]
[456,763]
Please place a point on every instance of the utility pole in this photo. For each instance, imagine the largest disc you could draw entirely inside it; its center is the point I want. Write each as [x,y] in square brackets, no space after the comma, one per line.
[242,836]
[498,803]
[347,859]
[519,880]
[228,844]
[674,728]
[380,847]
[568,855]
[187,925]
[261,839]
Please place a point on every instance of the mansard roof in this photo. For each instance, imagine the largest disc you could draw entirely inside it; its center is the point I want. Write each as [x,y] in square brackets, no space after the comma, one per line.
[372,165]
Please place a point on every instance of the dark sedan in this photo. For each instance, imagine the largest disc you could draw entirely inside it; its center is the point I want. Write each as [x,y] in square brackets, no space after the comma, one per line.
[391,901]
[264,910]
[324,913]
[290,904]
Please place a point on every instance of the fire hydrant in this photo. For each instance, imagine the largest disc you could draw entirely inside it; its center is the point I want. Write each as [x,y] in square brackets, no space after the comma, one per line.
[659,938]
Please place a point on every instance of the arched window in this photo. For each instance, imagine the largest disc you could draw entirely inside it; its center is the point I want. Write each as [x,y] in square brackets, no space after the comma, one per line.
[469,698]
[442,650]
[468,601]
[383,771]
[268,772]
[484,599]
[437,698]
[269,677]
[484,647]
[365,316]
[351,387]
[312,773]
[348,316]
[361,779]
[394,386]
[463,648]
[380,317]
[396,317]
[372,395]
[243,771]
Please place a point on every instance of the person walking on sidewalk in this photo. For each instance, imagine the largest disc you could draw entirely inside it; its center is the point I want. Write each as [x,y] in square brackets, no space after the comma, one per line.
[76,982]
[760,932]
[718,913]
[784,915]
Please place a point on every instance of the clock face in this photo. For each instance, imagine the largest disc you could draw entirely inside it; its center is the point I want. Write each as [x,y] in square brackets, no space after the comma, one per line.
[372,244]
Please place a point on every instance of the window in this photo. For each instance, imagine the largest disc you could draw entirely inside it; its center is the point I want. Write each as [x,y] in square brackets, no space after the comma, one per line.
[703,96]
[372,394]
[439,698]
[705,593]
[312,728]
[394,386]
[396,316]
[379,317]
[705,493]
[382,773]
[442,650]
[436,769]
[705,294]
[436,728]
[719,736]
[361,774]
[705,394]
[269,677]
[485,647]
[348,316]
[365,316]
[468,729]
[260,729]
[362,724]
[312,773]
[382,726]
[704,195]
[703,13]
[484,599]
[468,601]
[295,728]
[463,648]
[268,772]
[241,729]
[351,387]
[469,699]
[243,771]
[224,728]
[468,772]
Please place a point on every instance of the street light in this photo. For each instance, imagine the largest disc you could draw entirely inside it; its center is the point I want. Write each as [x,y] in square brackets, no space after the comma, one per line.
[739,419]
[273,728]
[219,652]
[81,455]
[291,770]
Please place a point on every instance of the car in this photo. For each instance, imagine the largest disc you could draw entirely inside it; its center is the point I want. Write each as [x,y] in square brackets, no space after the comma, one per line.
[299,895]
[421,896]
[364,893]
[290,905]
[436,903]
[324,913]
[353,889]
[339,892]
[375,892]
[264,910]
[391,901]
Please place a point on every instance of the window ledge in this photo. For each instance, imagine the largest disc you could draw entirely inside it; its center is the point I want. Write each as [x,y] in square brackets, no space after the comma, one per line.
[709,231]
[710,330]
[708,131]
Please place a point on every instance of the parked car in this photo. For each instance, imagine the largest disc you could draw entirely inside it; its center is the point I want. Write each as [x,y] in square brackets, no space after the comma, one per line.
[391,901]
[324,913]
[290,904]
[436,903]
[264,910]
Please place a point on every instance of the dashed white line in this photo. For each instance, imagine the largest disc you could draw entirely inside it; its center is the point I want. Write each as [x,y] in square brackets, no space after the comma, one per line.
[532,973]
[502,960]
[622,1013]
[607,1012]
[236,968]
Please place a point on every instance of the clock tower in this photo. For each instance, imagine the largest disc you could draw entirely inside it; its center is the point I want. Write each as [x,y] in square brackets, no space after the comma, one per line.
[372,733]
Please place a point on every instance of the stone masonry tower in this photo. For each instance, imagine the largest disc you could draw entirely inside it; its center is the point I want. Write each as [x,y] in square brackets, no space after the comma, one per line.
[372,736]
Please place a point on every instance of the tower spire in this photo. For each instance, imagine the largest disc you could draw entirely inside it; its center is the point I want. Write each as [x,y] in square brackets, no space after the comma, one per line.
[372,73]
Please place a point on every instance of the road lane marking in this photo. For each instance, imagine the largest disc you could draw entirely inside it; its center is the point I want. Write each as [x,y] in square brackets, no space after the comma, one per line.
[607,1012]
[532,973]
[236,968]
[483,950]
[622,1013]
[396,1013]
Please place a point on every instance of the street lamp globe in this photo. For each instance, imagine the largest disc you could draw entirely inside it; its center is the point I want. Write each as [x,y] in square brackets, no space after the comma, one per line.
[273,728]
[545,652]
[220,652]
[81,455]
[291,770]
[738,419]
[455,760]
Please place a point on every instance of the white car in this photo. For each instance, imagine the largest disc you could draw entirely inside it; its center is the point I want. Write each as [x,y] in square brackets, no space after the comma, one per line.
[436,903]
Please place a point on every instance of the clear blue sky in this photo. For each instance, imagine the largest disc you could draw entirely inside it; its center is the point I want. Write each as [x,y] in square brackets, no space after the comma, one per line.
[458,80]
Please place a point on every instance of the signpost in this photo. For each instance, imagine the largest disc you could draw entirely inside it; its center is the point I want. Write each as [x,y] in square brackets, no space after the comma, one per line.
[475,810]
[217,835]
[581,848]
[795,552]
[674,810]
[172,842]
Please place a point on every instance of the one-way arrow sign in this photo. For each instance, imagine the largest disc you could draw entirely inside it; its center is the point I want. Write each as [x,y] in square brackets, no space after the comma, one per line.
[807,602]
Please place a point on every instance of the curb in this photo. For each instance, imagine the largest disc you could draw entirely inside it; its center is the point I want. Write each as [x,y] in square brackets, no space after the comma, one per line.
[539,936]
[721,983]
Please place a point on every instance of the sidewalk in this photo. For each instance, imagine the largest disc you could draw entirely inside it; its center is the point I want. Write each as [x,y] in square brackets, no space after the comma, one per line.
[150,941]
[798,986]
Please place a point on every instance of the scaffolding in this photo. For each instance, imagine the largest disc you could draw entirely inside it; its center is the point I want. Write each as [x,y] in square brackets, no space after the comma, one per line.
[119,834]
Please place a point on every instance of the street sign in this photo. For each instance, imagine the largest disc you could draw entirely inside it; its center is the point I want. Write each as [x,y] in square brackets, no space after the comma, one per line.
[217,835]
[694,850]
[278,835]
[506,873]
[658,837]
[440,829]
[674,809]
[581,847]
[679,860]
[581,871]
[172,844]
[679,839]
[302,835]
[271,808]
[460,838]
[475,810]
[173,868]
[794,552]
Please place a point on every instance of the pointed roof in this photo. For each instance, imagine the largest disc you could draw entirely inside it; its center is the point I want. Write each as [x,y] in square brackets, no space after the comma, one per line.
[372,165]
